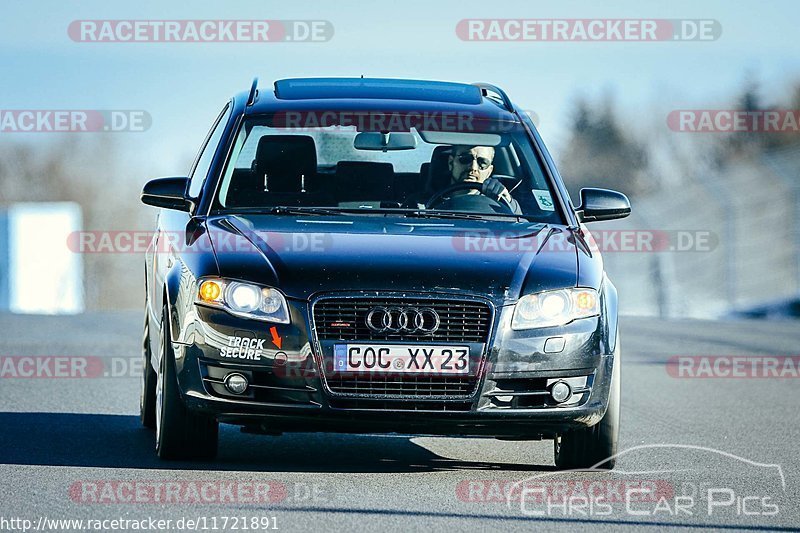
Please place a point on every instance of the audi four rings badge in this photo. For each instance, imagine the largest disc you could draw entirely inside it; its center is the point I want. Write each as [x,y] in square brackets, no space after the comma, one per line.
[403,320]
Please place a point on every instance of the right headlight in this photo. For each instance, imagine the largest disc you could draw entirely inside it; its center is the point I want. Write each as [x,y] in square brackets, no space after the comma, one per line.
[555,308]
[244,299]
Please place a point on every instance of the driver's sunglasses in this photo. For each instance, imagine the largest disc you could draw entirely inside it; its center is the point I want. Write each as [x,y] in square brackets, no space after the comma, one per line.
[467,158]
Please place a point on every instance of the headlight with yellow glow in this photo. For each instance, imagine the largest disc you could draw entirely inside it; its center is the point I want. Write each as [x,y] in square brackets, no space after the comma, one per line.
[555,308]
[244,299]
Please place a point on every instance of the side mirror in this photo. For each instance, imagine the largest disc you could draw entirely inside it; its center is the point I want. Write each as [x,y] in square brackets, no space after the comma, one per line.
[169,193]
[602,204]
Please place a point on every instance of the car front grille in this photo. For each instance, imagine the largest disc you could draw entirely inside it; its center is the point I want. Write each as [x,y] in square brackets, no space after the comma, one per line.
[400,405]
[460,322]
[408,386]
[346,319]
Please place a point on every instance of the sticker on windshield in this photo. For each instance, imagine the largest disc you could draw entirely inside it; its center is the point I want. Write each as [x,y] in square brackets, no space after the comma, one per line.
[544,200]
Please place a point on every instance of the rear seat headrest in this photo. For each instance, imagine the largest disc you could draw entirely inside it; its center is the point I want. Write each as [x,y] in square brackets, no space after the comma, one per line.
[366,179]
[284,161]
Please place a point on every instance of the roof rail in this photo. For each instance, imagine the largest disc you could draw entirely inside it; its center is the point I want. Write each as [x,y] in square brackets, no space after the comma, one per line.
[487,88]
[253,93]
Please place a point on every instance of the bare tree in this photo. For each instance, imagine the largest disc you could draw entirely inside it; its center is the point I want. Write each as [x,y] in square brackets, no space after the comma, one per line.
[600,153]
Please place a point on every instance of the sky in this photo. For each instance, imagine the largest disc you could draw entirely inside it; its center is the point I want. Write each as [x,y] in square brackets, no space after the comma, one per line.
[182,86]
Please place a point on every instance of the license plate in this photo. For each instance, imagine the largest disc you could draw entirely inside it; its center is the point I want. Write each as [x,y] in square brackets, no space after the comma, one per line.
[401,358]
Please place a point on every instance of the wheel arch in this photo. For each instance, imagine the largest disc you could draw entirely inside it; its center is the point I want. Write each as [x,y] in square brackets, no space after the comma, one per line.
[610,305]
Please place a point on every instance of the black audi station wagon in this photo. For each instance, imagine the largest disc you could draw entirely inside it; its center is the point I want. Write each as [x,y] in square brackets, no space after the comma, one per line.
[379,256]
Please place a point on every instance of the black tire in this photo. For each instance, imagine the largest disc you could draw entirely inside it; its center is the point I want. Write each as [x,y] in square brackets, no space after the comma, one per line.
[586,447]
[181,434]
[147,395]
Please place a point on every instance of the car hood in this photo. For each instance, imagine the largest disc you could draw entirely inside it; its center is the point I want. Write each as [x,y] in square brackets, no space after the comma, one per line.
[307,255]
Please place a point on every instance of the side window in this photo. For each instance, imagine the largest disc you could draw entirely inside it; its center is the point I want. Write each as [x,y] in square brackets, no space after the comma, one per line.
[200,171]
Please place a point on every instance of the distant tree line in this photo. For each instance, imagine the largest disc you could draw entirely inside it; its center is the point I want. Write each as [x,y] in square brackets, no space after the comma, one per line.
[605,150]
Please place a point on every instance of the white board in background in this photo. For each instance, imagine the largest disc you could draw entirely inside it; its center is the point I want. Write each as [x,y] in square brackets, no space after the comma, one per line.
[45,276]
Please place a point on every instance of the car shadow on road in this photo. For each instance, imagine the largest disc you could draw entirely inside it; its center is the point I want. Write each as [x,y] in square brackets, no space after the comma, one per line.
[119,441]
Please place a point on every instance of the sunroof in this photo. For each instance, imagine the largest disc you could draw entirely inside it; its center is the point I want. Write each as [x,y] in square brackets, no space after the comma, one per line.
[376,88]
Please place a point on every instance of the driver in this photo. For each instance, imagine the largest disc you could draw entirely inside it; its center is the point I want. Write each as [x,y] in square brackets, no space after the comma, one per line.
[474,164]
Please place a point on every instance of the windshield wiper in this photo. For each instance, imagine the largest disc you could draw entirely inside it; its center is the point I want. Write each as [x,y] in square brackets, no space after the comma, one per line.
[279,210]
[300,210]
[461,215]
[418,213]
[443,214]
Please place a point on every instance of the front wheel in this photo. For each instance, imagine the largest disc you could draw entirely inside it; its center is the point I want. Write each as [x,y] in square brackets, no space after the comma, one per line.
[180,433]
[586,447]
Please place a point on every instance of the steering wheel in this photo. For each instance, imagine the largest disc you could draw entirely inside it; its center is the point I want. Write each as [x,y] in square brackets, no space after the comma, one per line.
[439,196]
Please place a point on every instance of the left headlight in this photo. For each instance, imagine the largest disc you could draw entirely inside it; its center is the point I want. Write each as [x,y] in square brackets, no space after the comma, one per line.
[244,299]
[555,308]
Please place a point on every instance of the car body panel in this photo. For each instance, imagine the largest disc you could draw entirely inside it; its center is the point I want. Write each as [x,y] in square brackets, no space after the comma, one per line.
[306,255]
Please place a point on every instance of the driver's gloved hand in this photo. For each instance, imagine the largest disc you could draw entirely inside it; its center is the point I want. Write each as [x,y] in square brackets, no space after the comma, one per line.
[495,190]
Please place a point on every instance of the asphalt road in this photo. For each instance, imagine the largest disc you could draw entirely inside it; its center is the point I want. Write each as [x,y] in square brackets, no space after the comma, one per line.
[72,448]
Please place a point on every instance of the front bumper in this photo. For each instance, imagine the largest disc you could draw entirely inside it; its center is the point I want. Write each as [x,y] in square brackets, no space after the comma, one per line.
[513,372]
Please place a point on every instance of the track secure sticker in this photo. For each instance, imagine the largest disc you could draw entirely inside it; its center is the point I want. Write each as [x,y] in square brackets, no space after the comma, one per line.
[544,200]
[243,348]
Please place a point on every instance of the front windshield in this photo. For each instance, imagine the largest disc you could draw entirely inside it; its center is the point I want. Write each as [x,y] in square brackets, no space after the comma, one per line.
[494,172]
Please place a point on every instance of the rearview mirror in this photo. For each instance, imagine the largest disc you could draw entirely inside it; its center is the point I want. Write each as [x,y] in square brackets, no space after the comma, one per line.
[462,138]
[169,193]
[603,204]
[373,140]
